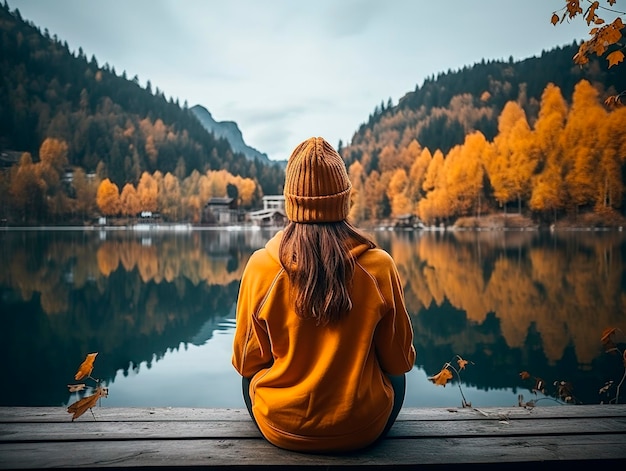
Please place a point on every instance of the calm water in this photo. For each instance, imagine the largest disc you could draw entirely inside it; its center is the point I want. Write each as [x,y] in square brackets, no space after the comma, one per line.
[158,307]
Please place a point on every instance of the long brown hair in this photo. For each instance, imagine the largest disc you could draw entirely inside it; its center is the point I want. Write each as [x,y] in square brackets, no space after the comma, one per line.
[318,262]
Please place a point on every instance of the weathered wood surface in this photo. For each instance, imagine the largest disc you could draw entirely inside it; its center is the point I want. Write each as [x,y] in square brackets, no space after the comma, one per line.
[546,437]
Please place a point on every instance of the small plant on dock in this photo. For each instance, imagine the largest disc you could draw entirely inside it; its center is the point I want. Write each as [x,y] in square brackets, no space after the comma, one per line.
[85,369]
[441,378]
[563,391]
[611,339]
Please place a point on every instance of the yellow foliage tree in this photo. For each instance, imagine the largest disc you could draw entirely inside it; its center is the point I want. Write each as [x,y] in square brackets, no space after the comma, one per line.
[582,150]
[512,164]
[108,198]
[357,196]
[129,201]
[147,190]
[25,188]
[613,150]
[170,197]
[397,193]
[548,192]
[417,171]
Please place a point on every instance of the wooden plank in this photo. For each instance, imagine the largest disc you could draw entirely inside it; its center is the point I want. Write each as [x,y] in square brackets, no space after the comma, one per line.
[254,453]
[67,431]
[59,414]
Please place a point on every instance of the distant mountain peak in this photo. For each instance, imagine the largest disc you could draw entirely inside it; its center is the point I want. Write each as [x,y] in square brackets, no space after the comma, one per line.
[228,130]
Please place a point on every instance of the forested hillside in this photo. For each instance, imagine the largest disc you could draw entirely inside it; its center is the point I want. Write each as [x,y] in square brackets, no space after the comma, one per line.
[534,135]
[101,122]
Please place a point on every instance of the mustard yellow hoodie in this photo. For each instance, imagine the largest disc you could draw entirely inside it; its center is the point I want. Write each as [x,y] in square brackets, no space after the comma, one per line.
[321,388]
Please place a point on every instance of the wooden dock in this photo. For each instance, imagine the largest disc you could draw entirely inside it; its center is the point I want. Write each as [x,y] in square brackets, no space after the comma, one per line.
[554,437]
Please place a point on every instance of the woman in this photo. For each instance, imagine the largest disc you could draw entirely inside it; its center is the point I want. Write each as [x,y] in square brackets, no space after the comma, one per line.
[322,338]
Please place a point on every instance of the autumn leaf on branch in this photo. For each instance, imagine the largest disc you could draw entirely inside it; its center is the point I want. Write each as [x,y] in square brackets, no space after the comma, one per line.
[79,407]
[615,58]
[441,378]
[607,39]
[86,367]
[462,363]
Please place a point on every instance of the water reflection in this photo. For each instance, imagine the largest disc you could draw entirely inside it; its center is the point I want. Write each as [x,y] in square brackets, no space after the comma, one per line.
[158,307]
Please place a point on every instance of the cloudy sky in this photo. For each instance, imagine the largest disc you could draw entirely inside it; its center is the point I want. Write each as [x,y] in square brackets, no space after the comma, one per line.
[286,70]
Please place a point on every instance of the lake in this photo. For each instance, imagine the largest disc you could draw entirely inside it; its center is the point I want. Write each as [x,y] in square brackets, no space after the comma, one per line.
[158,308]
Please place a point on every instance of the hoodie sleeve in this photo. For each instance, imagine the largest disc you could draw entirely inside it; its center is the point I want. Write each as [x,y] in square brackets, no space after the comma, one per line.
[393,337]
[251,344]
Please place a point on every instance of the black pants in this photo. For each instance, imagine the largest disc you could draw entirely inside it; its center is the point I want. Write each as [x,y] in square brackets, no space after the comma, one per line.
[397,382]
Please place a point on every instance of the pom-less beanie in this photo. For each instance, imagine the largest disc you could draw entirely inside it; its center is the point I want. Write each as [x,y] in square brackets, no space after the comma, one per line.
[317,187]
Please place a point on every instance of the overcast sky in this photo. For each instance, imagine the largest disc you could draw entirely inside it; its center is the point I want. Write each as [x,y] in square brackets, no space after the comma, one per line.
[286,70]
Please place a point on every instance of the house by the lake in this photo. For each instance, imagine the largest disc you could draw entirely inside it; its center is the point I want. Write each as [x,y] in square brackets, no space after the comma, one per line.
[272,214]
[221,210]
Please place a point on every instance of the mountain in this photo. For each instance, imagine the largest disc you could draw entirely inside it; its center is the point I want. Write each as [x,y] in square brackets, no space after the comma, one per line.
[227,130]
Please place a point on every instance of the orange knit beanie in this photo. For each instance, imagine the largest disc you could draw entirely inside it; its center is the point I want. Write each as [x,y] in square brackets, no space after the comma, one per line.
[317,187]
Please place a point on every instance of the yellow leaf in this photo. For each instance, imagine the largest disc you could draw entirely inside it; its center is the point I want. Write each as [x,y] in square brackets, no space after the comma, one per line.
[76,387]
[462,363]
[81,406]
[86,367]
[591,12]
[555,19]
[441,378]
[573,8]
[615,58]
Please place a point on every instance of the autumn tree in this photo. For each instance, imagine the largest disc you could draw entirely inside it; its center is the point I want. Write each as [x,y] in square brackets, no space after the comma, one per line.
[129,201]
[51,169]
[192,197]
[26,189]
[548,191]
[512,164]
[376,200]
[170,198]
[465,175]
[357,196]
[147,190]
[397,193]
[610,189]
[108,198]
[85,190]
[417,173]
[428,209]
[582,151]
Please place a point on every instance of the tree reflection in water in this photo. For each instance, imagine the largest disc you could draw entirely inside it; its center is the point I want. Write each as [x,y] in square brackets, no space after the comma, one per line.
[508,301]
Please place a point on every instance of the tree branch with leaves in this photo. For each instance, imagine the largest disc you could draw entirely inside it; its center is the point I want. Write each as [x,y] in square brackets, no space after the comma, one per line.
[607,39]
